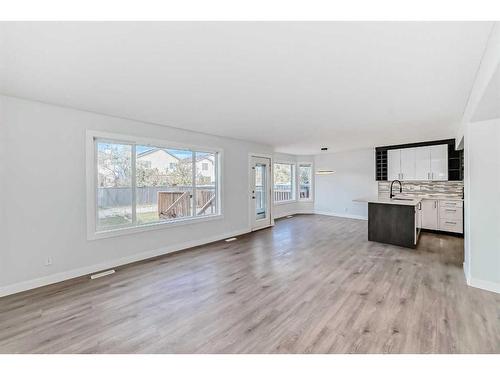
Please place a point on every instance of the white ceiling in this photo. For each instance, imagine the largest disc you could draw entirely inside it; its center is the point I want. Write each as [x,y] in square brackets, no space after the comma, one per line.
[294,85]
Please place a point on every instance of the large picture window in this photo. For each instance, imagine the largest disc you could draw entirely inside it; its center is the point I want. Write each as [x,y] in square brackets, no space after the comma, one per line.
[284,182]
[139,184]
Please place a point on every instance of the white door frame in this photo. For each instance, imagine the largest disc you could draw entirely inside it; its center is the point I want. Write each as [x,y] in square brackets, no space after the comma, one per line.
[251,202]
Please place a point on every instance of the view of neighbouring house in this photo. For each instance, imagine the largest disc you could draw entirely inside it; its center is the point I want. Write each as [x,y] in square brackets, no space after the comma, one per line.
[158,158]
[165,186]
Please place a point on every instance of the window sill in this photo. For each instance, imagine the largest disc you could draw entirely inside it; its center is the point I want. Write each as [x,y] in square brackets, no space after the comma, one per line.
[285,202]
[150,227]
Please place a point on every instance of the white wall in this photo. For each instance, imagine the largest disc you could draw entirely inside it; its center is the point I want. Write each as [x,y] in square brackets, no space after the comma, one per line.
[3,199]
[482,172]
[489,106]
[354,177]
[44,195]
[489,64]
[482,204]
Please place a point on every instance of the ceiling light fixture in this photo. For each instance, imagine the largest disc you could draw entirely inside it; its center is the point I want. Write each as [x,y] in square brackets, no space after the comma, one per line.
[320,172]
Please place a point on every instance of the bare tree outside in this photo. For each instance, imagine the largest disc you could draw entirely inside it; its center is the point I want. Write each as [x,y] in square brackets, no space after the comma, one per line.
[282,174]
[114,165]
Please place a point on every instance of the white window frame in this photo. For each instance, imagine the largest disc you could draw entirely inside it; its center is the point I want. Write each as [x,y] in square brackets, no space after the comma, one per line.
[311,189]
[251,202]
[93,233]
[293,182]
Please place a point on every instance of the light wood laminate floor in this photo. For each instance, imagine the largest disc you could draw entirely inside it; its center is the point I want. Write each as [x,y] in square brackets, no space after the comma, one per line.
[312,284]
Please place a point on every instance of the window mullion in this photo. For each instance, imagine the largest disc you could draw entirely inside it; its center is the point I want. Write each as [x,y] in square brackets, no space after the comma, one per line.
[193,184]
[96,195]
[217,182]
[134,187]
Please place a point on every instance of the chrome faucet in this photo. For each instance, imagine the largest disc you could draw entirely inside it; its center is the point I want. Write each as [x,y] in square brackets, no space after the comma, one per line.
[400,188]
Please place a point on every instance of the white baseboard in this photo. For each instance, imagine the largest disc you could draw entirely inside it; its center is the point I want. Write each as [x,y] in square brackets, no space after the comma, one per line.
[71,274]
[336,214]
[466,273]
[480,284]
[483,284]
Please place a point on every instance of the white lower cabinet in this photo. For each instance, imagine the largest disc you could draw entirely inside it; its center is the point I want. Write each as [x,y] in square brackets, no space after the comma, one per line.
[451,216]
[442,215]
[451,225]
[430,214]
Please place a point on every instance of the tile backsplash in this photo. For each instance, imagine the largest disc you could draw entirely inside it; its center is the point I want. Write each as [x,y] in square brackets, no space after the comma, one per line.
[424,188]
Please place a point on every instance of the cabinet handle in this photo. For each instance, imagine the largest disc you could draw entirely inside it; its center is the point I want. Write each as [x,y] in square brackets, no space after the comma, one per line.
[450,210]
[428,175]
[450,222]
[435,204]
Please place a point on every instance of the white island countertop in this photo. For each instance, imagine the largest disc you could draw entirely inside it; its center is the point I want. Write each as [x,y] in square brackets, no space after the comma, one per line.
[399,202]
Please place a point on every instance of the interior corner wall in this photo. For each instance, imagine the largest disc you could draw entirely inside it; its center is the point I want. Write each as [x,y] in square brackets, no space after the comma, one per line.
[353,177]
[44,195]
[482,204]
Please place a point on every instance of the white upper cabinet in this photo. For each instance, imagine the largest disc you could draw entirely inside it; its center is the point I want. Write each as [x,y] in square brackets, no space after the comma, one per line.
[393,165]
[418,163]
[423,163]
[439,162]
[408,164]
[401,164]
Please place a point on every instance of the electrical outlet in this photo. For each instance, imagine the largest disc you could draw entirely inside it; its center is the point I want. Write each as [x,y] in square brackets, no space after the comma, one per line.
[48,261]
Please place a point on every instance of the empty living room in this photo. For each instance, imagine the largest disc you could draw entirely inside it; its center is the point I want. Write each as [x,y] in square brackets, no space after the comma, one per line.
[249,186]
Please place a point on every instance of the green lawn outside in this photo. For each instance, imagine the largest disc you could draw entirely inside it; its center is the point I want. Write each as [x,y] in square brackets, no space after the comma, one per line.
[142,218]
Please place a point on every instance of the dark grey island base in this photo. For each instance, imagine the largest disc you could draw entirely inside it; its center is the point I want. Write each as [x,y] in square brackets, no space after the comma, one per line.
[392,224]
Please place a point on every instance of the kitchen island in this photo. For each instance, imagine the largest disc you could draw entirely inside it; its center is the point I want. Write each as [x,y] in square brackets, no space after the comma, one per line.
[394,221]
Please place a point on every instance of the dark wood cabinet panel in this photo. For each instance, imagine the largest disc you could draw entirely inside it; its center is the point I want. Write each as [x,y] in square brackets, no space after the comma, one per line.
[392,224]
[381,165]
